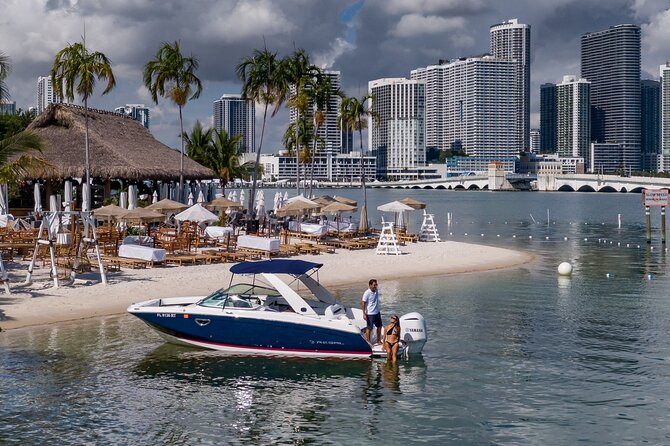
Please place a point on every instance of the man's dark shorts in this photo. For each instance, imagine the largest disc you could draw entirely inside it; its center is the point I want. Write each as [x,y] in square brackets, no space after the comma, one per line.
[374,319]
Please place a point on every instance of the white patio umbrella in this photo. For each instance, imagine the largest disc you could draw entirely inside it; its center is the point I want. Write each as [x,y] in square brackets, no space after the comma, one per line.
[285,198]
[4,209]
[85,197]
[196,213]
[154,198]
[190,199]
[123,200]
[260,209]
[233,196]
[38,198]
[67,202]
[53,204]
[398,209]
[132,197]
[201,197]
[242,197]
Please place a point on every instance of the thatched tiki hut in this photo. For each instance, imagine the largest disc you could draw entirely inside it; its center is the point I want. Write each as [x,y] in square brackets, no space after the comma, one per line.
[120,148]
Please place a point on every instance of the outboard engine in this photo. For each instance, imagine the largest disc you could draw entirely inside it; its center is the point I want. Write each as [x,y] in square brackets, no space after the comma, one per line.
[413,331]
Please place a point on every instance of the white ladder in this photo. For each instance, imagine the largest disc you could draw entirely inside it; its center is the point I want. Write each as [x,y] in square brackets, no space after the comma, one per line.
[388,244]
[428,229]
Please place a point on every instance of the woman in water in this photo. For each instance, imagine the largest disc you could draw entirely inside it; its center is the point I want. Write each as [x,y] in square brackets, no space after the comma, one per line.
[392,338]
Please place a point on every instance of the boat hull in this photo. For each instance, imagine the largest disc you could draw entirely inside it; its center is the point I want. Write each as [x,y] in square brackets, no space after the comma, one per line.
[234,333]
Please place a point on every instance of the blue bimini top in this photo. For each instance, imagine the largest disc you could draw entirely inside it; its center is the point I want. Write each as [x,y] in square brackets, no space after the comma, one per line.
[279,266]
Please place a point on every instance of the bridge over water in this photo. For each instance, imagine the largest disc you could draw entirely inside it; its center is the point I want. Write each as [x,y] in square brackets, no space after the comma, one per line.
[566,183]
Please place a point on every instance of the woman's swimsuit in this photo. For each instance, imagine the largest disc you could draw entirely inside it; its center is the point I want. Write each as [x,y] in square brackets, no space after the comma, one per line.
[393,331]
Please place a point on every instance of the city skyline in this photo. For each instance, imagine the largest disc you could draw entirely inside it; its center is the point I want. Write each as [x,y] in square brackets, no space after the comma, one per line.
[364,40]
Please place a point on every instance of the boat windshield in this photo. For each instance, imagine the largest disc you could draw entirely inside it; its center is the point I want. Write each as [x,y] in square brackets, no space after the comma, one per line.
[240,295]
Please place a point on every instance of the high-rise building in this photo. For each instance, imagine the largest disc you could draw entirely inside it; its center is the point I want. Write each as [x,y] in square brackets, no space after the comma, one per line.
[7,107]
[535,140]
[332,139]
[138,112]
[650,123]
[665,117]
[398,138]
[548,118]
[573,118]
[45,93]
[237,116]
[510,40]
[611,62]
[472,106]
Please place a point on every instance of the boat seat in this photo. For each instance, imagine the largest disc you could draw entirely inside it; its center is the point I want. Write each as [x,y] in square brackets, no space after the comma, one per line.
[334,310]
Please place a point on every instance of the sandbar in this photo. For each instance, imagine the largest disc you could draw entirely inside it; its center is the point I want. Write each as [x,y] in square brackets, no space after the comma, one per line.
[40,303]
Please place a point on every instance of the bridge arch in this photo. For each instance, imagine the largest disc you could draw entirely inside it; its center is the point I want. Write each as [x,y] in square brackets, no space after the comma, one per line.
[441,186]
[428,187]
[623,189]
[459,187]
[637,190]
[473,187]
[566,188]
[607,189]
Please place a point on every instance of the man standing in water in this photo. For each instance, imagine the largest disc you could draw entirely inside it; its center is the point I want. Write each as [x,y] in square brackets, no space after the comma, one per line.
[371,314]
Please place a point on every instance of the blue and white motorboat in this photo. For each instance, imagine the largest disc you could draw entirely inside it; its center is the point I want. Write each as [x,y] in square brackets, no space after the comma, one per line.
[279,307]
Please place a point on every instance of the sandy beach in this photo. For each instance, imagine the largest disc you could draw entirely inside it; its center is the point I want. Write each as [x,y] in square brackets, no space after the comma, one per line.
[41,304]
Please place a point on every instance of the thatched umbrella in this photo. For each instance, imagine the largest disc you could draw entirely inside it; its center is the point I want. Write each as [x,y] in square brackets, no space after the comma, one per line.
[142,215]
[109,212]
[166,206]
[415,204]
[223,203]
[324,200]
[298,207]
[346,200]
[337,208]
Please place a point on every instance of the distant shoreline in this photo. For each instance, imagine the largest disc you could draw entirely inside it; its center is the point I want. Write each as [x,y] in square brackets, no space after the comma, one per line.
[45,305]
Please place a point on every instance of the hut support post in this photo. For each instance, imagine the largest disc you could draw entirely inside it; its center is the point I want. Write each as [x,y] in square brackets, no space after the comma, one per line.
[107,191]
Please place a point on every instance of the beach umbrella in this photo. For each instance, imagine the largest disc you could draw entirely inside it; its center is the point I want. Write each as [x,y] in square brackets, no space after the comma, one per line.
[275,202]
[3,199]
[414,204]
[109,212]
[398,209]
[132,197]
[154,198]
[68,202]
[53,204]
[260,209]
[142,215]
[85,197]
[242,197]
[190,199]
[233,196]
[285,199]
[363,223]
[298,207]
[337,208]
[166,206]
[196,213]
[346,200]
[123,200]
[302,199]
[38,198]
[223,203]
[324,200]
[201,197]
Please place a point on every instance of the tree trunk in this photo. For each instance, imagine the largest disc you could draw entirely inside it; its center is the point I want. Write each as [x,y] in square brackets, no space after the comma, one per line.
[365,196]
[311,180]
[297,147]
[181,158]
[86,150]
[252,195]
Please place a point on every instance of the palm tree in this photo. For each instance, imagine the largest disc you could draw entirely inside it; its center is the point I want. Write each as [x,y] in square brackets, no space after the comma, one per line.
[298,71]
[4,71]
[352,114]
[74,64]
[261,83]
[303,129]
[320,94]
[198,141]
[171,75]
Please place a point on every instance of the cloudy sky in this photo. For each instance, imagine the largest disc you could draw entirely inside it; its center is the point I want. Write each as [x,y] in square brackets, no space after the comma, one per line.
[365,39]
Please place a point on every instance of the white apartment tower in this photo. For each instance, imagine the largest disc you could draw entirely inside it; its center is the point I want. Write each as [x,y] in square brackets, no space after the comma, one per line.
[237,116]
[665,117]
[138,112]
[471,105]
[332,139]
[573,117]
[45,93]
[397,139]
[510,40]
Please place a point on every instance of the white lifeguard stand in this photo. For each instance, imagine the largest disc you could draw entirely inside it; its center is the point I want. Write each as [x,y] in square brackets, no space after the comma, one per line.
[428,229]
[388,243]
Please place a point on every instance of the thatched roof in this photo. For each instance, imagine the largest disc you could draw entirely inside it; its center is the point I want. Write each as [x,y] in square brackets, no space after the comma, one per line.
[120,147]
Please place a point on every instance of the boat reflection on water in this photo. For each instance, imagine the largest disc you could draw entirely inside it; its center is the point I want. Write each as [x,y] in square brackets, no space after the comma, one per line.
[186,365]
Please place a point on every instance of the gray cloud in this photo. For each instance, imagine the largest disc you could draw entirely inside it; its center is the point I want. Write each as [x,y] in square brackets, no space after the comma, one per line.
[391,38]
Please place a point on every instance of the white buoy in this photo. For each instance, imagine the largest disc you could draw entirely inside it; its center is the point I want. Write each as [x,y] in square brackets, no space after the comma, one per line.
[649,277]
[565,269]
[498,235]
[608,275]
[514,236]
[482,235]
[565,238]
[466,233]
[530,236]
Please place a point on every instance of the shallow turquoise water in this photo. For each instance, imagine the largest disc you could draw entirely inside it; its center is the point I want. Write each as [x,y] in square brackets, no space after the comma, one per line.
[514,357]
